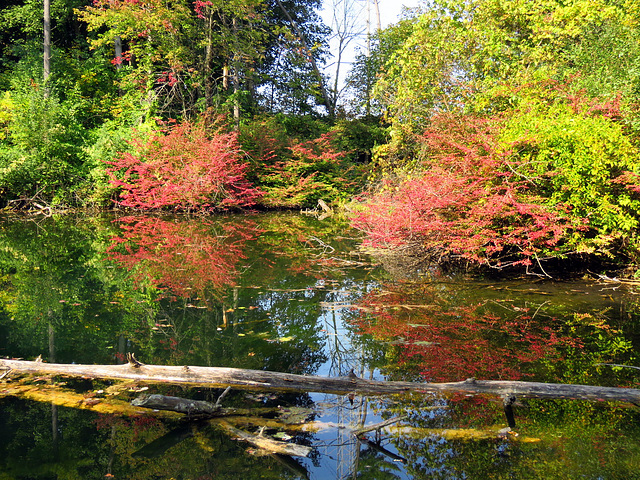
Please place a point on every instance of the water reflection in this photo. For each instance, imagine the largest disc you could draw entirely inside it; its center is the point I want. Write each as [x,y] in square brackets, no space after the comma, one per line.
[446,331]
[287,293]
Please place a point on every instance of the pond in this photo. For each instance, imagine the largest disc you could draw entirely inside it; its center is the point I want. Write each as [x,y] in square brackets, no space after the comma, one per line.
[290,293]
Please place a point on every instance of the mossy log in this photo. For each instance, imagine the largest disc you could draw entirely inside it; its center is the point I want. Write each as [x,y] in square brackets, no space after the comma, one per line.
[264,380]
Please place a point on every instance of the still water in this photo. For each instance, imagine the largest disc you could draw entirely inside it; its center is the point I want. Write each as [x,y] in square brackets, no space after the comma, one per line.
[289,293]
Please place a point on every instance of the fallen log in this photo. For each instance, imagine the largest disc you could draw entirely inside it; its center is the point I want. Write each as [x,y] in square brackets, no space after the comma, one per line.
[264,380]
[67,398]
[377,426]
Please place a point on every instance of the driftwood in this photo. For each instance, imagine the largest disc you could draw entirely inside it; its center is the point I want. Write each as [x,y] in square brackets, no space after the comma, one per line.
[264,380]
[377,426]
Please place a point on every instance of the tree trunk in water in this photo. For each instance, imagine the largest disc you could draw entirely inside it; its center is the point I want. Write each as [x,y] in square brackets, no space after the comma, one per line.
[264,380]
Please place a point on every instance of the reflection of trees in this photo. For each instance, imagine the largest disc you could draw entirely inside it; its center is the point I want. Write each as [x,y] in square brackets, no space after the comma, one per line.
[56,286]
[373,465]
[237,291]
[188,258]
[93,445]
[450,331]
[447,332]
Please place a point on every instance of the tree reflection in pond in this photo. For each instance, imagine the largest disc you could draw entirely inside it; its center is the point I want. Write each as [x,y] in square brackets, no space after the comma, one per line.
[449,332]
[275,292]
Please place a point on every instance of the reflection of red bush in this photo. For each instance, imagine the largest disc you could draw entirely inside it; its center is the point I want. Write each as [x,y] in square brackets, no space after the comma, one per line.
[185,258]
[186,169]
[452,343]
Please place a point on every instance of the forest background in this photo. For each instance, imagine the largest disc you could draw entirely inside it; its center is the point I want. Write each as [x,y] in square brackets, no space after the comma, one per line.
[480,132]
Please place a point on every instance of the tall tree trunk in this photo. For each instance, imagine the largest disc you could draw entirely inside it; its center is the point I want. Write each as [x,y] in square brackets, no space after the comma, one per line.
[377,9]
[118,47]
[314,65]
[208,60]
[236,75]
[47,44]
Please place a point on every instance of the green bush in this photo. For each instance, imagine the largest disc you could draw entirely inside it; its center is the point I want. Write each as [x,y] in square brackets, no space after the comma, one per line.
[42,155]
[574,153]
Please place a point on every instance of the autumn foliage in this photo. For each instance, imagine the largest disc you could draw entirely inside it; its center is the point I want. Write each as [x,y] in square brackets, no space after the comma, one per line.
[184,169]
[296,173]
[462,200]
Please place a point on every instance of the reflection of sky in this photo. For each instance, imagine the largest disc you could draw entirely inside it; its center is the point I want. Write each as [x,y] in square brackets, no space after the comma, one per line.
[341,453]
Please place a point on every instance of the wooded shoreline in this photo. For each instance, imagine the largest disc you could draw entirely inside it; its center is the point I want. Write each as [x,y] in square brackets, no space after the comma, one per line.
[276,381]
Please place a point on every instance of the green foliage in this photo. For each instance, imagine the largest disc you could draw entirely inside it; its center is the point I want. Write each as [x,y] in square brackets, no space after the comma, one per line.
[42,156]
[297,173]
[573,154]
[106,143]
[359,138]
[458,50]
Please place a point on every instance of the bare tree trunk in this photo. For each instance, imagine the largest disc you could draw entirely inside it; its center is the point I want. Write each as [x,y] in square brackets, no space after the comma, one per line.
[377,8]
[208,59]
[118,48]
[236,76]
[346,26]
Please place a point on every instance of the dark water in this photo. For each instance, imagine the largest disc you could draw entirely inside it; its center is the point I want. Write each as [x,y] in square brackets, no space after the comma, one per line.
[290,293]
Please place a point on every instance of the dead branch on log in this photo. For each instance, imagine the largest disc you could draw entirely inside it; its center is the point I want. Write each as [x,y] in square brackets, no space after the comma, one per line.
[608,365]
[264,380]
[377,426]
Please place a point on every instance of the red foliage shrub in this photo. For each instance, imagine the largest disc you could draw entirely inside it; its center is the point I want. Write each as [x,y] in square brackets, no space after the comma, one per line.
[465,200]
[184,170]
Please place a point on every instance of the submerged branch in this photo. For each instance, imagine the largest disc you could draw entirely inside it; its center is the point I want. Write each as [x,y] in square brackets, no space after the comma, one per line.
[265,443]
